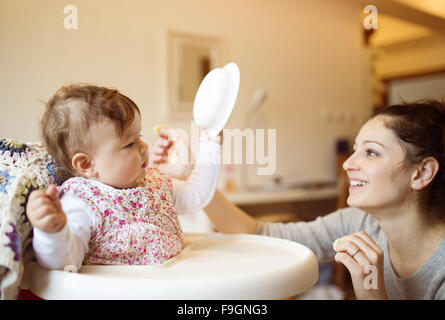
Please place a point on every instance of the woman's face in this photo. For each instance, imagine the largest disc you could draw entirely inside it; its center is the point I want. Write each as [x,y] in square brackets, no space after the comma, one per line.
[376,180]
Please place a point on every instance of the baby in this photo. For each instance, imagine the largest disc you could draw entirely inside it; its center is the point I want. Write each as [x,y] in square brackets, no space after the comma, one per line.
[115,209]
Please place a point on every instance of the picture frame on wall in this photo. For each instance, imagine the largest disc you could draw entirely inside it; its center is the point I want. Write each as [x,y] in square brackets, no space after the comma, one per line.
[190,58]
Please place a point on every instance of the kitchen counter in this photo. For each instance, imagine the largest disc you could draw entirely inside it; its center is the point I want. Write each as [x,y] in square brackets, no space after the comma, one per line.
[287,204]
[255,197]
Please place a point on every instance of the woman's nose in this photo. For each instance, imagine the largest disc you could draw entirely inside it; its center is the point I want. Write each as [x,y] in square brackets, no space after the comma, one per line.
[350,163]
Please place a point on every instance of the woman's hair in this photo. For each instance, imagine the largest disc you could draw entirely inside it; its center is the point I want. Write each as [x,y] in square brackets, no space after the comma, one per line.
[420,126]
[71,112]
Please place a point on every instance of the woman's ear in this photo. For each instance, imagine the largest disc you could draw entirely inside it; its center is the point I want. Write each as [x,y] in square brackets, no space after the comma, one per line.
[83,165]
[424,173]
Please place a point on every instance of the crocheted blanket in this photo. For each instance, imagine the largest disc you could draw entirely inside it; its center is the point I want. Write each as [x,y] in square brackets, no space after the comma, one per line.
[24,167]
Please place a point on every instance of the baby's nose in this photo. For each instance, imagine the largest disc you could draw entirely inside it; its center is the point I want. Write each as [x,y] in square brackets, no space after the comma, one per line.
[144,147]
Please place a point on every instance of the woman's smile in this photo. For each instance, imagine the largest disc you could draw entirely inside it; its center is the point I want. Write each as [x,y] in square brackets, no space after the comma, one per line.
[355,184]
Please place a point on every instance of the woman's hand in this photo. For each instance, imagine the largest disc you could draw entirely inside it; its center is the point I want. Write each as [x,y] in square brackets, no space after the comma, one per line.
[172,154]
[364,259]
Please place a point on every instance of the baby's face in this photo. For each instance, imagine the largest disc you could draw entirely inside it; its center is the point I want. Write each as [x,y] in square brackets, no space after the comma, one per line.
[120,161]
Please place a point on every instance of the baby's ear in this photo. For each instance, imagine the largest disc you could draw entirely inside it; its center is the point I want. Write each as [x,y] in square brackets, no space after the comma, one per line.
[83,165]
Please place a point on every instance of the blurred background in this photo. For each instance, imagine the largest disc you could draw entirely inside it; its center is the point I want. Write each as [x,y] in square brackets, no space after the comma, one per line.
[310,70]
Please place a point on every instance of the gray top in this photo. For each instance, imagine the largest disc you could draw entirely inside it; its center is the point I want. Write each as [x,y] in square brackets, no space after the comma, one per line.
[427,283]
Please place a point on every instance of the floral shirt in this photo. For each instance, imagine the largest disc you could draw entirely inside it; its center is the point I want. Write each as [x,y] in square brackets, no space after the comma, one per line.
[134,226]
[129,226]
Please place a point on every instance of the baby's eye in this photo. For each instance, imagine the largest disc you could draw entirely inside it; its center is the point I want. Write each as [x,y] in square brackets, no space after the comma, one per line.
[129,145]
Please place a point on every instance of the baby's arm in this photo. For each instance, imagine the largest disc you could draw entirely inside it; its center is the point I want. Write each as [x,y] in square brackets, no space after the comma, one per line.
[57,248]
[197,191]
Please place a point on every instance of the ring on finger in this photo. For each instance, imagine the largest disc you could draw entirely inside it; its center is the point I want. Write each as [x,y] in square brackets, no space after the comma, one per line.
[355,253]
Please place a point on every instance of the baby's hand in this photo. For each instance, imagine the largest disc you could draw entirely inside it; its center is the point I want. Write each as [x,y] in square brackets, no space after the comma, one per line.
[172,155]
[205,136]
[44,210]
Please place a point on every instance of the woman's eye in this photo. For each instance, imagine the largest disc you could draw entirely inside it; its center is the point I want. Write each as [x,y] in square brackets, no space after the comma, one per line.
[371,153]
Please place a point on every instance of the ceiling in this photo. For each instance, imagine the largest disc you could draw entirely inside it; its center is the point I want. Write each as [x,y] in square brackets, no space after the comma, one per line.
[393,30]
[403,21]
[434,7]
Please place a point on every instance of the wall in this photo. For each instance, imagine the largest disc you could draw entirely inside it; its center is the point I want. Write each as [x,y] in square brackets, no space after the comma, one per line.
[307,55]
[417,88]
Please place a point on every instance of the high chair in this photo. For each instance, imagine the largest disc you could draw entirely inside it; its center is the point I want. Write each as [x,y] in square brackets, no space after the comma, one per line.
[211,266]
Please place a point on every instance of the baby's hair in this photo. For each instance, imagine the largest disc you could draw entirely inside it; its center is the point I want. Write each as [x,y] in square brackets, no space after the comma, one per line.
[71,112]
[420,126]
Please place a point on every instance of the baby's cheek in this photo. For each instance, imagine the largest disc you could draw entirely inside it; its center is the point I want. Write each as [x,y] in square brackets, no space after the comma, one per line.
[132,166]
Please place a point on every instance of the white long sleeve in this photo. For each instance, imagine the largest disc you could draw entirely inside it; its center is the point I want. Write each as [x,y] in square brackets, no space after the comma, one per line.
[69,246]
[195,193]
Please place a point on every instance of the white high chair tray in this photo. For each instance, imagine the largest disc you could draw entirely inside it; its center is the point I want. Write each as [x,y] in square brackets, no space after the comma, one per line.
[211,266]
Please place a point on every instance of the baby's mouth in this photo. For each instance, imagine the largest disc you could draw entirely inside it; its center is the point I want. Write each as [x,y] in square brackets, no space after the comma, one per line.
[145,165]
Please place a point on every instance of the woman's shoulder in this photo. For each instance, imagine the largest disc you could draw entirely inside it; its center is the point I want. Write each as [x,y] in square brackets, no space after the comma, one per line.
[353,215]
[356,220]
[440,254]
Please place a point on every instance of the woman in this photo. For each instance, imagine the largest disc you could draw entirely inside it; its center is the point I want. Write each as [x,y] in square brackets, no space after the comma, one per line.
[391,238]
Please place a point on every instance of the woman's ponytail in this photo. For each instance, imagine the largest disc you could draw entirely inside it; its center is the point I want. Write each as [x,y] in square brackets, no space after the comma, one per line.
[421,126]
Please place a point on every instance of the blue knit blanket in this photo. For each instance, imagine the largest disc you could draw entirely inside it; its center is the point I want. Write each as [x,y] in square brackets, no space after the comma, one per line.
[24,167]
